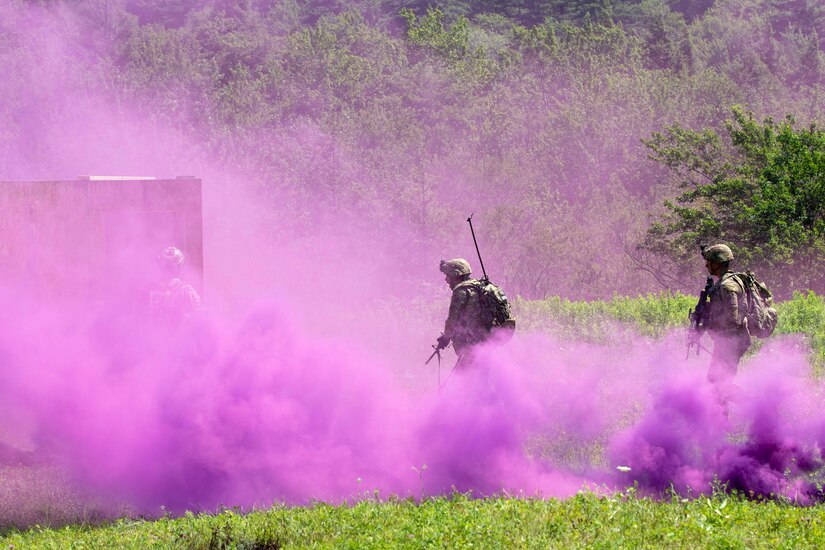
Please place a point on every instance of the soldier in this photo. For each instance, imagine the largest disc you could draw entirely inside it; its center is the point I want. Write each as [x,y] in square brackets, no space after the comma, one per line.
[173,299]
[726,320]
[464,326]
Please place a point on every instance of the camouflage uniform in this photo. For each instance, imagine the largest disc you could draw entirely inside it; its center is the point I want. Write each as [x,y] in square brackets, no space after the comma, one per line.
[726,320]
[176,300]
[463,325]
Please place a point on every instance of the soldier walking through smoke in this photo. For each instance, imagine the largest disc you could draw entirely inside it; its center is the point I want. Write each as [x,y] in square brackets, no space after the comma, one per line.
[478,310]
[173,299]
[732,309]
[464,326]
[725,317]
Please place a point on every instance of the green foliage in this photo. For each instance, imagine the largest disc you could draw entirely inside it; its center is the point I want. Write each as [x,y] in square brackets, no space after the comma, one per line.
[805,314]
[763,192]
[622,520]
[586,48]
[806,16]
[398,119]
[470,63]
[624,318]
[430,32]
[169,13]
[765,43]
[691,9]
[665,34]
[606,321]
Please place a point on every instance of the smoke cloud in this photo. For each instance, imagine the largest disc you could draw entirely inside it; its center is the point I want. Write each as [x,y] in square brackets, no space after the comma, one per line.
[304,379]
[255,412]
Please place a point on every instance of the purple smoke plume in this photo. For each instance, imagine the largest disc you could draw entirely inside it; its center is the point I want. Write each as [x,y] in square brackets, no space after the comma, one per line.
[258,412]
[304,381]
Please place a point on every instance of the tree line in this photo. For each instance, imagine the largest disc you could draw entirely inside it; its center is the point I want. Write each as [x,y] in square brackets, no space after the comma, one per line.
[598,142]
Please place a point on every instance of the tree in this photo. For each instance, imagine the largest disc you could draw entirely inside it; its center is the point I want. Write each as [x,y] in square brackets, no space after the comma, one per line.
[579,10]
[429,32]
[665,34]
[169,13]
[806,16]
[762,191]
[107,23]
[691,9]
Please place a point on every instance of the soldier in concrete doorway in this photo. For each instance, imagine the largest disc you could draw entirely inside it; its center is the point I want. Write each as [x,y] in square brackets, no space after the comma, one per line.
[173,299]
[726,319]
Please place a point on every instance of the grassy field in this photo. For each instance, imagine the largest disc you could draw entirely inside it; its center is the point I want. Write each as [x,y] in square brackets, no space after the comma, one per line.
[587,520]
[610,321]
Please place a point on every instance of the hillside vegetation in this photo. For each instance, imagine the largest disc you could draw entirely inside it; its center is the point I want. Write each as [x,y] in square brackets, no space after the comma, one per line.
[597,142]
[565,126]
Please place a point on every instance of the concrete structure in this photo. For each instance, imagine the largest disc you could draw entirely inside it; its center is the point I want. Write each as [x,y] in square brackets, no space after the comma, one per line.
[73,239]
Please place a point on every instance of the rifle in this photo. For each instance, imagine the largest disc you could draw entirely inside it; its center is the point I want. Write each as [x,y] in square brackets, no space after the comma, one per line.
[437,352]
[698,320]
[475,242]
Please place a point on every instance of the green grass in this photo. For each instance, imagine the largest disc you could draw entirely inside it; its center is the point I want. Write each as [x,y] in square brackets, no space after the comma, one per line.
[584,521]
[611,321]
[404,327]
[805,314]
[602,320]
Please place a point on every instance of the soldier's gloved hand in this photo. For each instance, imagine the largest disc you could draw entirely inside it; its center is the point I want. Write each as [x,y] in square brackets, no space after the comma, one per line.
[443,341]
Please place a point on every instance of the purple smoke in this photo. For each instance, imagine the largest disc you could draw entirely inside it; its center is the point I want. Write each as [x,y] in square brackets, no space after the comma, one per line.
[305,380]
[258,412]
[760,436]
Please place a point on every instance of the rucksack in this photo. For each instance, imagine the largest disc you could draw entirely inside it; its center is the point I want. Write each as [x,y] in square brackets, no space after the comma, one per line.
[495,307]
[761,315]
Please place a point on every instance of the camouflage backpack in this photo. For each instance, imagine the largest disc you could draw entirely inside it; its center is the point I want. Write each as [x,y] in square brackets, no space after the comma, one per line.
[761,315]
[495,307]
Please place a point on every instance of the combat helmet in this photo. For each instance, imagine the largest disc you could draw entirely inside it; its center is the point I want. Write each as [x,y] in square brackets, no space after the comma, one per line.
[718,253]
[171,257]
[457,267]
